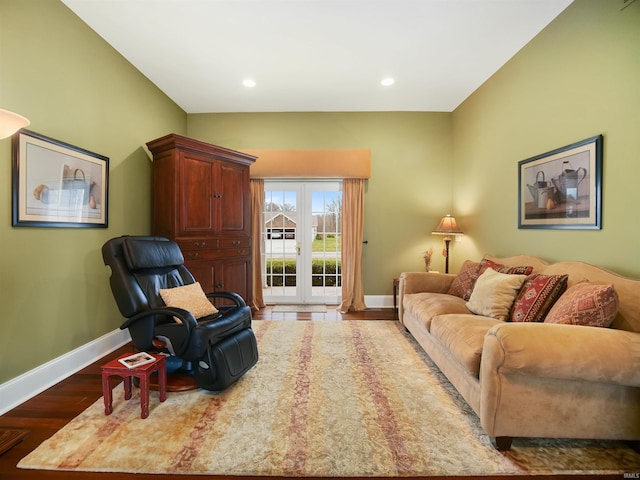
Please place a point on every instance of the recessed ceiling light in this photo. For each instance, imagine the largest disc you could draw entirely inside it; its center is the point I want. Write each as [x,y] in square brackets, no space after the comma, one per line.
[387,81]
[249,83]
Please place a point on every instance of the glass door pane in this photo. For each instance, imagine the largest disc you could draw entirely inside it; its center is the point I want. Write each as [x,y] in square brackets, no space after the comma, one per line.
[280,240]
[325,199]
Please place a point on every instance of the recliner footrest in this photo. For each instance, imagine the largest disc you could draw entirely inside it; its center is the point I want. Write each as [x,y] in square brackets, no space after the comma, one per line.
[226,361]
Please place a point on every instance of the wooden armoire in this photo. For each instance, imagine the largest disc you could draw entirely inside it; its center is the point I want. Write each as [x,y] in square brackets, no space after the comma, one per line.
[201,198]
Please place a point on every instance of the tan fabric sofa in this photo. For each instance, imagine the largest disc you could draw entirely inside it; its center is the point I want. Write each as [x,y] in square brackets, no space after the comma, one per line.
[533,379]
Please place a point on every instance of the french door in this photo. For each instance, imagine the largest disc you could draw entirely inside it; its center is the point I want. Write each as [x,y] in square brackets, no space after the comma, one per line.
[302,242]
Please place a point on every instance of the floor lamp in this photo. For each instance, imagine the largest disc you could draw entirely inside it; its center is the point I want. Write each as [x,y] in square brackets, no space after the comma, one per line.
[448,227]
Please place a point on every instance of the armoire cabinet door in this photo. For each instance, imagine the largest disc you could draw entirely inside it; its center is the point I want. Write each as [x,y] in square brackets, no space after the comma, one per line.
[197,179]
[235,200]
[231,275]
[203,272]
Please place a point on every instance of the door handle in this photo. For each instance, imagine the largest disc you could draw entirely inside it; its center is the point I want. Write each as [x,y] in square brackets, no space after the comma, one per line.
[298,248]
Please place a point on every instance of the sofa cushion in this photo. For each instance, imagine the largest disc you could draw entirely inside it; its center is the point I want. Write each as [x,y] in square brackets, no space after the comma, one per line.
[494,293]
[462,285]
[585,304]
[425,306]
[463,337]
[536,297]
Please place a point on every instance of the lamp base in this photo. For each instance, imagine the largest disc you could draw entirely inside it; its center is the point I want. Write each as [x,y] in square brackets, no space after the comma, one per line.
[447,241]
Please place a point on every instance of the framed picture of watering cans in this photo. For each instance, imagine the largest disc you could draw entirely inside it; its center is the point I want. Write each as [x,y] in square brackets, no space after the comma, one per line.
[562,188]
[56,184]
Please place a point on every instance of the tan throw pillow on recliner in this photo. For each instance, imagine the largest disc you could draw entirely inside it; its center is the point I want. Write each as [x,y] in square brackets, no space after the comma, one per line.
[189,297]
[494,293]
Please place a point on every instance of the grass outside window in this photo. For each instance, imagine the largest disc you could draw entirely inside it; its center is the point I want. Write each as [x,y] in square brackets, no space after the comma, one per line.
[324,272]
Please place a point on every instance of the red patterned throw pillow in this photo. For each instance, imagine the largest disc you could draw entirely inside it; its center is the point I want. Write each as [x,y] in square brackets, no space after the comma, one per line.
[586,304]
[537,296]
[462,285]
[516,270]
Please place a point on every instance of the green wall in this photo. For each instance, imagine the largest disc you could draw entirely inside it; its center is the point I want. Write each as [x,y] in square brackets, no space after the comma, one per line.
[578,78]
[410,185]
[75,88]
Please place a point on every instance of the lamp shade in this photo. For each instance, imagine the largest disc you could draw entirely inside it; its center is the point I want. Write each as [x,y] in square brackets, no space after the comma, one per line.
[447,226]
[11,122]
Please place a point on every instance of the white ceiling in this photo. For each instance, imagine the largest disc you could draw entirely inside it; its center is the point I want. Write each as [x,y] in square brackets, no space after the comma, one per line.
[317,55]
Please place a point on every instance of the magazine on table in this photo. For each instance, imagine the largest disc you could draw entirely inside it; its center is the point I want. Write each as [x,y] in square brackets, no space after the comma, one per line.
[137,360]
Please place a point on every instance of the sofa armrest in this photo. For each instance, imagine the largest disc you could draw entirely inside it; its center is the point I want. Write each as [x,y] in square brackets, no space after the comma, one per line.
[419,282]
[565,352]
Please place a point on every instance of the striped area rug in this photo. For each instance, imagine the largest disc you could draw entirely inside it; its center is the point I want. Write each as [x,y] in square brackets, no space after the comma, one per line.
[338,398]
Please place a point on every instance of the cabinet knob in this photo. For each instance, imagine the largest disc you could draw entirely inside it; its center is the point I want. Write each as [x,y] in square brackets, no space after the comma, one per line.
[220,286]
[200,244]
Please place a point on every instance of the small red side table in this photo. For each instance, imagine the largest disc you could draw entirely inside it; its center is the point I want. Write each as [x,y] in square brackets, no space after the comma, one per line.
[143,372]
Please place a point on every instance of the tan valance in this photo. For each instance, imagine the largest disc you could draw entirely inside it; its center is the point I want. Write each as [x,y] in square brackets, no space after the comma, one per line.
[310,163]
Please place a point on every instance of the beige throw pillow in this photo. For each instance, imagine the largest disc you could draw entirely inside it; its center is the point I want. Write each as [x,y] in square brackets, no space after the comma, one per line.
[494,293]
[189,297]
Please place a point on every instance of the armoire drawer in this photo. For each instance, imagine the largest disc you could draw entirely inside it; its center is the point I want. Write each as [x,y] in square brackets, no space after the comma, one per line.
[214,254]
[244,242]
[213,243]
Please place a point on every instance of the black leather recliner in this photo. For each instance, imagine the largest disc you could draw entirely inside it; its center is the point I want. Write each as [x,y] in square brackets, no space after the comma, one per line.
[217,350]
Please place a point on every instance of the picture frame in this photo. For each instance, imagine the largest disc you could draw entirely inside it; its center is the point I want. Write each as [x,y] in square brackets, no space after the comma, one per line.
[55,184]
[137,360]
[562,189]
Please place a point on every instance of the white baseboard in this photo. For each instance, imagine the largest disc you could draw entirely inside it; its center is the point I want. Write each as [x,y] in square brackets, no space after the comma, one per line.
[29,384]
[378,301]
